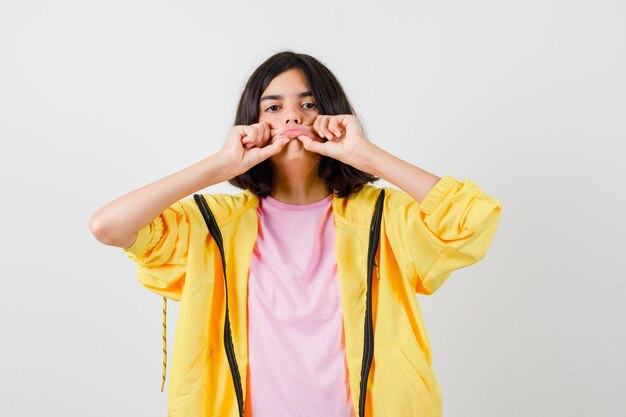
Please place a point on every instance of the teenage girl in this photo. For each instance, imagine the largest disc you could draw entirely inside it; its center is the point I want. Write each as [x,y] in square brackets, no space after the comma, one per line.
[301,155]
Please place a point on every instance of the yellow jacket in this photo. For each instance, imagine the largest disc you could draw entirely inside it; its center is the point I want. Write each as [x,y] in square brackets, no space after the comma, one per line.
[420,245]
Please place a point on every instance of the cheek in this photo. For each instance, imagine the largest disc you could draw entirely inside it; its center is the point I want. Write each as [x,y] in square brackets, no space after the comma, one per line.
[264,117]
[310,117]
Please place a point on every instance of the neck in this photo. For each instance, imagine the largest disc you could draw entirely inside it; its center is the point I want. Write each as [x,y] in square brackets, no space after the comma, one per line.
[298,184]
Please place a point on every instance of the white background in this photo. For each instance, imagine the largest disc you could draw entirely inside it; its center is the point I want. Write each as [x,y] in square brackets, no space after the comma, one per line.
[526,98]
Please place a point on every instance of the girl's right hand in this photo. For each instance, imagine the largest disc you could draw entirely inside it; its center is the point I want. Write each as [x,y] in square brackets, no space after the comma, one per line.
[249,145]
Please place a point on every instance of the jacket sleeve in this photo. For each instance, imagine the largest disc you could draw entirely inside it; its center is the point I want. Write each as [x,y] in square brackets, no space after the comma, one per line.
[450,229]
[160,252]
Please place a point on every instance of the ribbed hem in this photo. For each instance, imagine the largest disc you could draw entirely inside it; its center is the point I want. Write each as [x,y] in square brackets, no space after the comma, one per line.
[147,237]
[444,187]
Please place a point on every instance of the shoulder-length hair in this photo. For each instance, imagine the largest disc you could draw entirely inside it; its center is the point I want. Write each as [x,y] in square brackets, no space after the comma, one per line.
[330,99]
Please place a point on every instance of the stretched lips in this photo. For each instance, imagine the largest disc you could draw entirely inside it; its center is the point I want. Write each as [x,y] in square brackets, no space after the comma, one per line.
[295,132]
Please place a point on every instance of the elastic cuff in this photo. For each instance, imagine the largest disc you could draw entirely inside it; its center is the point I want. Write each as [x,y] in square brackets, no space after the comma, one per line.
[147,238]
[444,187]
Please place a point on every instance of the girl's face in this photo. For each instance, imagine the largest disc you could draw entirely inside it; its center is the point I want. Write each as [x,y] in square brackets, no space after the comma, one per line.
[283,102]
[287,102]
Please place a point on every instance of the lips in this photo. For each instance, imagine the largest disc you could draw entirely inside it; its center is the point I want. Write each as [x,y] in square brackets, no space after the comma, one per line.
[294,131]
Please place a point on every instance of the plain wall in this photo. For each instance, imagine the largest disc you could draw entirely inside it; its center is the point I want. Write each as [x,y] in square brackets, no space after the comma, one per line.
[527,99]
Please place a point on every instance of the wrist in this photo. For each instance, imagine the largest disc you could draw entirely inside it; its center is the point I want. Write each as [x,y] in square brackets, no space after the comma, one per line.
[223,166]
[365,157]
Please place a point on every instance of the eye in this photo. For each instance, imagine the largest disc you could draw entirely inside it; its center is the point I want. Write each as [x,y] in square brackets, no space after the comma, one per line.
[275,105]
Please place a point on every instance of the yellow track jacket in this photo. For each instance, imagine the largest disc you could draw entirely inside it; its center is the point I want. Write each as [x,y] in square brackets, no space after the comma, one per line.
[390,370]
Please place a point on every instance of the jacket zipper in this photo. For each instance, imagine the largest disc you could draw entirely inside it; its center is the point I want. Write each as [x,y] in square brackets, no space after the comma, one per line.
[228,340]
[368,346]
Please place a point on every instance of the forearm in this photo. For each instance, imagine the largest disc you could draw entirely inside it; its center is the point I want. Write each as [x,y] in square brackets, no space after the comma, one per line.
[118,222]
[411,179]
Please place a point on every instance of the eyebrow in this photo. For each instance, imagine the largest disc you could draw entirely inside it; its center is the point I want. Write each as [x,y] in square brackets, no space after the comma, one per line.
[280,97]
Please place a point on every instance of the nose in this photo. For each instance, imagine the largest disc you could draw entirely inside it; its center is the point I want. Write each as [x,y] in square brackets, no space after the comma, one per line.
[292,115]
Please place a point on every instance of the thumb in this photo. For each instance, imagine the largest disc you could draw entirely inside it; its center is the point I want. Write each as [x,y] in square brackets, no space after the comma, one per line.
[312,145]
[272,149]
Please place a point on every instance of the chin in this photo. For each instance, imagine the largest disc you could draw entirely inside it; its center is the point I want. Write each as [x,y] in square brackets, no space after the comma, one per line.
[295,152]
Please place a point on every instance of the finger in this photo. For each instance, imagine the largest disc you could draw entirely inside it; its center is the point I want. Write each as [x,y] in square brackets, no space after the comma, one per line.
[262,128]
[250,133]
[273,148]
[274,132]
[266,131]
[260,138]
[244,135]
[324,127]
[317,125]
[333,125]
[311,145]
[258,134]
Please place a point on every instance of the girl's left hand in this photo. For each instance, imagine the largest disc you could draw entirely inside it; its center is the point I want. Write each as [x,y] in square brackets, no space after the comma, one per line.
[346,141]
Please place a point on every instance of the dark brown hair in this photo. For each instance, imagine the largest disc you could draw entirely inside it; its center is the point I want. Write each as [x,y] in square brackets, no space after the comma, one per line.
[330,99]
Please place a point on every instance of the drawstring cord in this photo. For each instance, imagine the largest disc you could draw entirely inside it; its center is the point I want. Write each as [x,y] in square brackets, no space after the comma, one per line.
[164,341]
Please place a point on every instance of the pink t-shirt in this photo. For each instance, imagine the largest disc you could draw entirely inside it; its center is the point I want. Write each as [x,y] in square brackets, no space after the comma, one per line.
[297,365]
